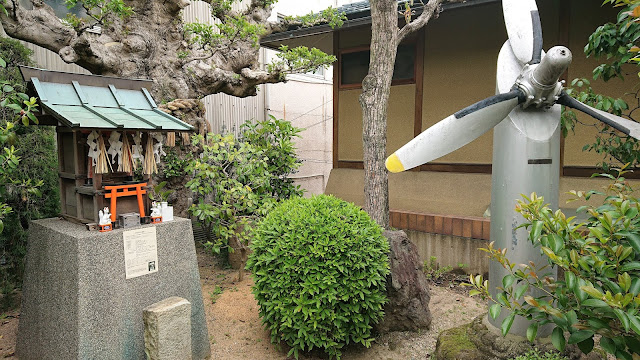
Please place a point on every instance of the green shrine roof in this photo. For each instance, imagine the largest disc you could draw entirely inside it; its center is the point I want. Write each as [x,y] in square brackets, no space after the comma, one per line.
[97,102]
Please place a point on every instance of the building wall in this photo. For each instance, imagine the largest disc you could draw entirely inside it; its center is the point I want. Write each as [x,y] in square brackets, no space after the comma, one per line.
[306,101]
[399,131]
[461,48]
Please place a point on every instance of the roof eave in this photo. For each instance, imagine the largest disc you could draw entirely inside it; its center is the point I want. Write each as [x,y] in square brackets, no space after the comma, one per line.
[270,40]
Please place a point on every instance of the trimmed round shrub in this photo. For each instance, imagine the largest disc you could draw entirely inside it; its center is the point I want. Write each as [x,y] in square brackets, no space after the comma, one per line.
[320,268]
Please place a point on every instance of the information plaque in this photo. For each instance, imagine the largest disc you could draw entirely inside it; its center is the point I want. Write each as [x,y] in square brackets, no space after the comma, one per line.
[140,252]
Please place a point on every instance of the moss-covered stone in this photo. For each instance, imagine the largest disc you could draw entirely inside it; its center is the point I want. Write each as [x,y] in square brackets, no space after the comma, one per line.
[454,344]
[475,341]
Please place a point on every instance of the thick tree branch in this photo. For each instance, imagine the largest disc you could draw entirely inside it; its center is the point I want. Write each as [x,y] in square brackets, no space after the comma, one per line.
[150,43]
[430,8]
[39,26]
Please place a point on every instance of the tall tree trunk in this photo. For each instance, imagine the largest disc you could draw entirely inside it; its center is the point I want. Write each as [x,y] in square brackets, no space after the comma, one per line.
[374,101]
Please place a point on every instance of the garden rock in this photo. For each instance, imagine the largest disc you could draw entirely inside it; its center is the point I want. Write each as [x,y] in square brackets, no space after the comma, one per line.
[407,288]
[475,341]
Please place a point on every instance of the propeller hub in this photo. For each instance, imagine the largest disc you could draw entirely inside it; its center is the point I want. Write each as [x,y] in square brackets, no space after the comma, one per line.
[539,82]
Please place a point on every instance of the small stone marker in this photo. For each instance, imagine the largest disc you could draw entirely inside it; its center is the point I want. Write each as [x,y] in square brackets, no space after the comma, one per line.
[167,329]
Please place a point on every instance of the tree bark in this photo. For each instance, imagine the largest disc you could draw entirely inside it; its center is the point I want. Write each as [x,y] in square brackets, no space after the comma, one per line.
[374,101]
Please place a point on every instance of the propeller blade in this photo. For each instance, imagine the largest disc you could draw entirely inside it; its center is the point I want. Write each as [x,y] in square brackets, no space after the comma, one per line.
[455,131]
[524,29]
[621,124]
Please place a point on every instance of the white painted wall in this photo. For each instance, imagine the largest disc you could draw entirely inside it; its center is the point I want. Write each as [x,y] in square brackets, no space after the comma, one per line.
[307,101]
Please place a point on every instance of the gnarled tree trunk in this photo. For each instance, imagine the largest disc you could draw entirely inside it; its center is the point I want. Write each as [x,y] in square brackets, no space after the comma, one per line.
[385,37]
[374,101]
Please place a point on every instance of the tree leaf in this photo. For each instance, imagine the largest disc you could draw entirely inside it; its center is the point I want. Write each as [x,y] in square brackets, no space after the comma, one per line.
[580,336]
[630,266]
[532,331]
[622,316]
[557,338]
[608,345]
[494,310]
[634,322]
[623,355]
[586,346]
[506,324]
[508,281]
[521,290]
[634,241]
[594,303]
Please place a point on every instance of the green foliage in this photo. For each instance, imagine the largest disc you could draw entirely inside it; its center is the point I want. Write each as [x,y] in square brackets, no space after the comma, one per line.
[98,11]
[214,294]
[617,43]
[535,354]
[229,183]
[175,166]
[433,271]
[300,59]
[615,149]
[320,268]
[159,194]
[236,181]
[205,35]
[35,175]
[600,258]
[329,16]
[275,138]
[15,107]
[28,165]
[237,26]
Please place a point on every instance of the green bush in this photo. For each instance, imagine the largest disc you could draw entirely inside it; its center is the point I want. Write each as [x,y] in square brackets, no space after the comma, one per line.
[599,293]
[319,267]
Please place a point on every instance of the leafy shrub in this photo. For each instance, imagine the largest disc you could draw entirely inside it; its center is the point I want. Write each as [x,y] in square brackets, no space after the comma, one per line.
[235,181]
[275,138]
[228,184]
[319,267]
[28,160]
[600,258]
[535,354]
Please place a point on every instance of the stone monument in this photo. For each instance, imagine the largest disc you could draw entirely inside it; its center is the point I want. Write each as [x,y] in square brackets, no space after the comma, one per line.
[85,291]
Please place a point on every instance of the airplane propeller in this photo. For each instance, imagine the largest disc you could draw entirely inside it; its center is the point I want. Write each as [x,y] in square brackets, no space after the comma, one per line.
[537,88]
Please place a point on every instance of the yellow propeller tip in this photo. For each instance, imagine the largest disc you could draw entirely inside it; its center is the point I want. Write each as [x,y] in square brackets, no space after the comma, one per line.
[393,164]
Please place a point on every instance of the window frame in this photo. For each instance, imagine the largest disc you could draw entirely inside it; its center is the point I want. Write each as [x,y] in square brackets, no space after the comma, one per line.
[341,52]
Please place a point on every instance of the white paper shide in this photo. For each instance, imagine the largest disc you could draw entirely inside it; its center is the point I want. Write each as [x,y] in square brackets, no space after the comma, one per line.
[140,252]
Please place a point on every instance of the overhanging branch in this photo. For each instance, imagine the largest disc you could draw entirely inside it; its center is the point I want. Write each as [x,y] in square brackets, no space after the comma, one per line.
[430,8]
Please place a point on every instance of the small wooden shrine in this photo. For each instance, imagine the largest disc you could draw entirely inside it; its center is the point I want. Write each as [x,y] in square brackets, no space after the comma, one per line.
[110,135]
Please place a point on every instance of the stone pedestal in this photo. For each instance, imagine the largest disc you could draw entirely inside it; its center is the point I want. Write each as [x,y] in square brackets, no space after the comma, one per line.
[167,330]
[77,303]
